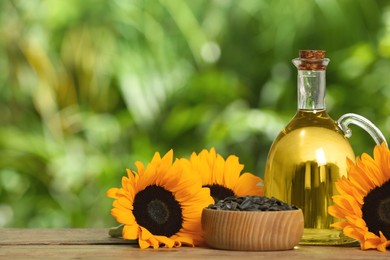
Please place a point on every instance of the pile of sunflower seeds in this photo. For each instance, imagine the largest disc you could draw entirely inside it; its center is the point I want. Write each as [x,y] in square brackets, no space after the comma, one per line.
[251,203]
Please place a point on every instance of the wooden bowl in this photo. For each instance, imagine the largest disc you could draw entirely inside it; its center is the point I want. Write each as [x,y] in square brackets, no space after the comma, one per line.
[252,230]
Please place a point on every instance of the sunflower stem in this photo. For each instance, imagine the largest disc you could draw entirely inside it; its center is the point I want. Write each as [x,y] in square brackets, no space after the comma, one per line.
[116,231]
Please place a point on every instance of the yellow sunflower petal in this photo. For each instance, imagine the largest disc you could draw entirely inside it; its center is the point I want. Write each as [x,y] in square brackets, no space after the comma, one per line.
[359,196]
[122,216]
[382,156]
[372,170]
[114,193]
[156,158]
[131,177]
[186,194]
[201,166]
[143,243]
[372,241]
[353,232]
[218,170]
[197,238]
[338,212]
[147,178]
[167,242]
[166,180]
[348,203]
[145,234]
[187,185]
[191,226]
[382,247]
[130,232]
[384,242]
[359,179]
[249,185]
[180,240]
[147,239]
[357,222]
[340,224]
[369,168]
[140,168]
[166,161]
[154,242]
[209,156]
[163,165]
[232,170]
[199,201]
[123,203]
[333,211]
[126,183]
[344,186]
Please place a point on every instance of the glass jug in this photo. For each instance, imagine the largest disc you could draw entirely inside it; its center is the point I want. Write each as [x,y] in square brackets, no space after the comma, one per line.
[309,155]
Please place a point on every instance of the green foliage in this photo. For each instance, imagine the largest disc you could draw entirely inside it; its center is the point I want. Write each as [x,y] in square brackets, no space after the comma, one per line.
[89,87]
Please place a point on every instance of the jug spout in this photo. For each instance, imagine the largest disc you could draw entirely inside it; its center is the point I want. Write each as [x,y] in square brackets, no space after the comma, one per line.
[351,118]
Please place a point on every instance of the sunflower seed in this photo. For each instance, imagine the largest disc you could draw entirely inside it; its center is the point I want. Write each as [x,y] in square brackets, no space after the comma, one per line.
[251,203]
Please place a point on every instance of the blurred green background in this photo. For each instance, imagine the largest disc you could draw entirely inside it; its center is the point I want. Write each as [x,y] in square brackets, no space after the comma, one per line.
[89,87]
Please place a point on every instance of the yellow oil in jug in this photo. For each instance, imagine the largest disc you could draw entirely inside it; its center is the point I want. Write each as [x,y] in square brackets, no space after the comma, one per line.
[304,163]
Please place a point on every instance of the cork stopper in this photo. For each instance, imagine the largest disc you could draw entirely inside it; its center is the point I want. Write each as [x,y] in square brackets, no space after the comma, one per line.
[311,60]
[312,54]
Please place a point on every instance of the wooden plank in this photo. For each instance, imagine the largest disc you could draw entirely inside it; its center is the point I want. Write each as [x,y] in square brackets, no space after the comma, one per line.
[58,236]
[95,243]
[132,251]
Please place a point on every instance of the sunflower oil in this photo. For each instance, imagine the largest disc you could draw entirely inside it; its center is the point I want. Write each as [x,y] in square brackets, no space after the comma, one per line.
[304,163]
[310,154]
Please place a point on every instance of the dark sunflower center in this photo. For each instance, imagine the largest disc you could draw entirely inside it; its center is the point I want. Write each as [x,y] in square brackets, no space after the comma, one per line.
[376,210]
[219,192]
[157,210]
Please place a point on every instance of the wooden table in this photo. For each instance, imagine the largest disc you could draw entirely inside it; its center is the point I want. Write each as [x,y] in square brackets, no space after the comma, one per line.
[95,243]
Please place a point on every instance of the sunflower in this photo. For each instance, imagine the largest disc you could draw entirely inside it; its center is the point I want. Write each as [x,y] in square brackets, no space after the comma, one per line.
[364,200]
[161,205]
[224,178]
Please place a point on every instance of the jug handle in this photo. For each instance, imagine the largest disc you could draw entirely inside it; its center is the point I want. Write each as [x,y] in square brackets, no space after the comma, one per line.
[362,122]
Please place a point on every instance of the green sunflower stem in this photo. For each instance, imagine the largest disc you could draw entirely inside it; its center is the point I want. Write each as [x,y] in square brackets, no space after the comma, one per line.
[116,231]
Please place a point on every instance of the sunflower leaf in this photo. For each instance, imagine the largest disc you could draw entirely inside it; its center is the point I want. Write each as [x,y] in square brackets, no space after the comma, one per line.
[116,231]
